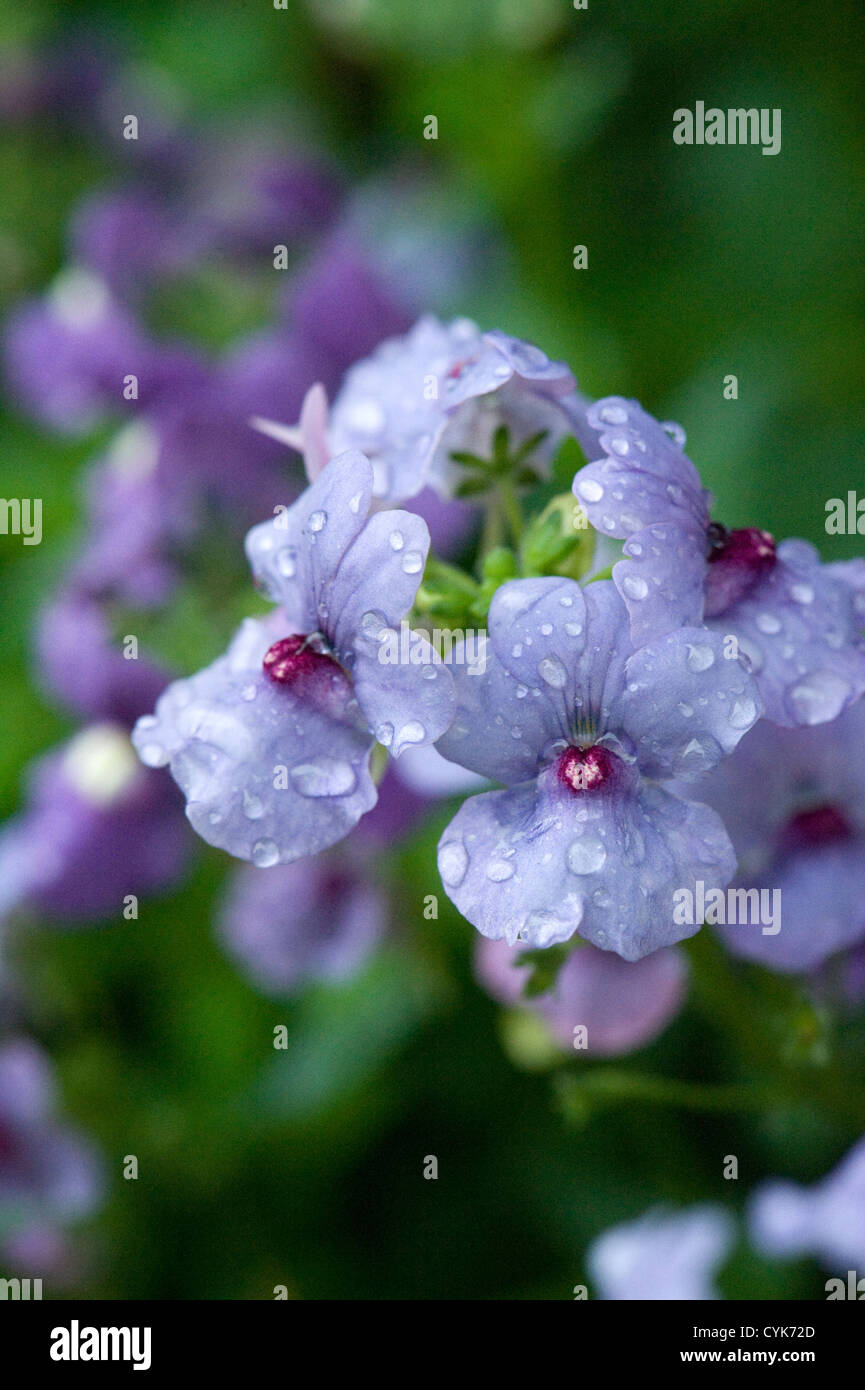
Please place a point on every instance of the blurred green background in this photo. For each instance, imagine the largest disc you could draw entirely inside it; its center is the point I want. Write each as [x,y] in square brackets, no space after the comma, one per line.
[304,1168]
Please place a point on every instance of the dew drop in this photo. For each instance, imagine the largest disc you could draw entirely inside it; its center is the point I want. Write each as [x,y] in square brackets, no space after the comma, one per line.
[590,490]
[586,855]
[699,657]
[552,672]
[453,862]
[635,587]
[768,623]
[324,776]
[265,854]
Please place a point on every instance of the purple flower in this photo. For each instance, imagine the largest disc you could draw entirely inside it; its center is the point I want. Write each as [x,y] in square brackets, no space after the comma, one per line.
[138,517]
[799,623]
[342,306]
[445,387]
[67,355]
[97,827]
[827,1220]
[622,1005]
[316,919]
[124,237]
[271,742]
[48,1171]
[80,666]
[578,725]
[794,803]
[662,1256]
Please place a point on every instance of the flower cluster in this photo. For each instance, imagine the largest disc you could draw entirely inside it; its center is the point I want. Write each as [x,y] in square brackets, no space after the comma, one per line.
[603,702]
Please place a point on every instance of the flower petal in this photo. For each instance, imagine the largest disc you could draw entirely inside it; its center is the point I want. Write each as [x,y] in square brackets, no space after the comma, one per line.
[686,704]
[536,863]
[270,773]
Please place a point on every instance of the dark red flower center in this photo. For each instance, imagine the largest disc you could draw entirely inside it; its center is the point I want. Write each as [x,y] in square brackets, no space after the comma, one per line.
[815,828]
[736,561]
[585,769]
[293,657]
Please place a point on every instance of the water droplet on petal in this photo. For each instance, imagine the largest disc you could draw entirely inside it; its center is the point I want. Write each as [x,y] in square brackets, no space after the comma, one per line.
[586,855]
[412,562]
[499,870]
[253,806]
[768,623]
[552,671]
[802,593]
[410,733]
[634,586]
[153,755]
[397,540]
[590,490]
[820,697]
[699,657]
[286,561]
[453,862]
[265,853]
[324,776]
[743,714]
[317,521]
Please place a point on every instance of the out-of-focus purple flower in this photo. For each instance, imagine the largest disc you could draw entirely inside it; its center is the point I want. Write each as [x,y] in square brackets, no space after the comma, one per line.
[66,81]
[70,358]
[245,198]
[342,306]
[793,801]
[799,623]
[49,1173]
[138,516]
[271,742]
[124,237]
[316,919]
[826,1220]
[662,1256]
[579,726]
[66,356]
[97,827]
[622,1004]
[78,663]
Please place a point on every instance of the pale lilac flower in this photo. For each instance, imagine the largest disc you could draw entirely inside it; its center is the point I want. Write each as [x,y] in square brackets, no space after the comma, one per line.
[793,801]
[799,623]
[49,1173]
[662,1256]
[317,919]
[623,1005]
[443,388]
[579,726]
[96,827]
[271,743]
[826,1220]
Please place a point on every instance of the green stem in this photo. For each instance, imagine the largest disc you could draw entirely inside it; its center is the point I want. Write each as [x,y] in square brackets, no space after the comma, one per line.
[511,508]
